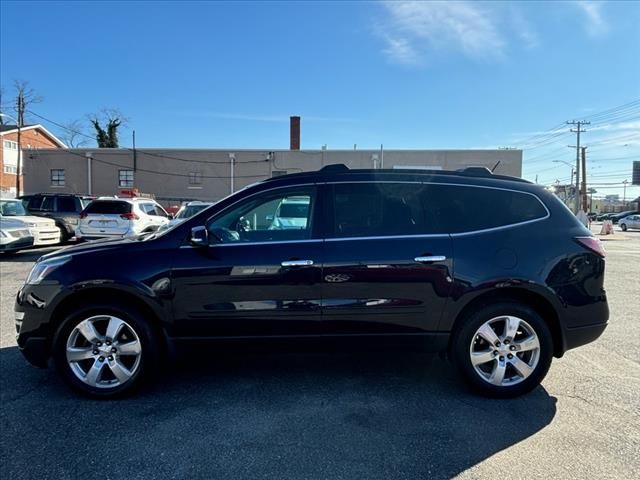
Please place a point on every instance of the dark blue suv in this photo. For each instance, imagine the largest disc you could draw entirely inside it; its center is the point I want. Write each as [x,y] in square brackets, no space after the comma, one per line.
[493,270]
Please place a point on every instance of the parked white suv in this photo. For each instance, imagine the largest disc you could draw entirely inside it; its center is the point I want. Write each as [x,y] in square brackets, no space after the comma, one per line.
[45,231]
[113,217]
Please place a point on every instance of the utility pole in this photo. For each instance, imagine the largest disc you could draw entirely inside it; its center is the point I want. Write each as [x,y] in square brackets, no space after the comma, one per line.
[577,131]
[624,195]
[135,157]
[20,110]
[584,178]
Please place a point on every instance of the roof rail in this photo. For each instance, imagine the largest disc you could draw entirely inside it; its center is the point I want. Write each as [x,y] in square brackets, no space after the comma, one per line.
[334,167]
[476,171]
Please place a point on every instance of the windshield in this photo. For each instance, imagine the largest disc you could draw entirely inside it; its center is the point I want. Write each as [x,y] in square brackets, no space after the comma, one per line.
[190,210]
[11,208]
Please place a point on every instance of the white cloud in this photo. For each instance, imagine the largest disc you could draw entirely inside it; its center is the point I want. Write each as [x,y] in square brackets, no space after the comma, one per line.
[596,24]
[413,30]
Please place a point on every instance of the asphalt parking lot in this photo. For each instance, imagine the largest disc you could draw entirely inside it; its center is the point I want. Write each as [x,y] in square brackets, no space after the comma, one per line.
[342,415]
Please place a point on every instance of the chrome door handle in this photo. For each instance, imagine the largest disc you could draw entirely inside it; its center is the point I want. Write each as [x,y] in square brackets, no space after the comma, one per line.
[430,259]
[297,263]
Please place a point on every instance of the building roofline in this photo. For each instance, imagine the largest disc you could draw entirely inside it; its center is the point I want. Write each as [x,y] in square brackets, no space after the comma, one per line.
[60,143]
[286,150]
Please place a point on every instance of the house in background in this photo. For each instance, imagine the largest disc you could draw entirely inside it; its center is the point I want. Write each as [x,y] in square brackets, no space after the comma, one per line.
[31,137]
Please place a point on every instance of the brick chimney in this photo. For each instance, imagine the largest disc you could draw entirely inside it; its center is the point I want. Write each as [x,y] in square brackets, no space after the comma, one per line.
[294,133]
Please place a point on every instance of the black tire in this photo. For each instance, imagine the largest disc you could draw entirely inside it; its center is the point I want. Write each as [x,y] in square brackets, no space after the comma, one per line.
[465,334]
[623,226]
[150,356]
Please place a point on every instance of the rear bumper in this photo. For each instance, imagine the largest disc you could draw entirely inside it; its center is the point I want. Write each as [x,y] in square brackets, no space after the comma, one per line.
[578,336]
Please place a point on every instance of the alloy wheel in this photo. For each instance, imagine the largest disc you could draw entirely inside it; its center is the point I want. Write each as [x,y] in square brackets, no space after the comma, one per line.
[103,351]
[505,351]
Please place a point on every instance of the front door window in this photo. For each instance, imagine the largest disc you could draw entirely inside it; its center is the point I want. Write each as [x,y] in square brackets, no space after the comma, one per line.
[281,215]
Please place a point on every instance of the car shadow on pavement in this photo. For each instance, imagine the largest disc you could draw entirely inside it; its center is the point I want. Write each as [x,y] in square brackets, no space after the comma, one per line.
[274,415]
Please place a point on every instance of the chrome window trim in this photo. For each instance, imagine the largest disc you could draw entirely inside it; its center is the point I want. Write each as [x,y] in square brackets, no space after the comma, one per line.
[387,237]
[238,244]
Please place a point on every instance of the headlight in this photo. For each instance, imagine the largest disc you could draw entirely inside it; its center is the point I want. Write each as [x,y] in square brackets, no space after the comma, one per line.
[41,269]
[2,234]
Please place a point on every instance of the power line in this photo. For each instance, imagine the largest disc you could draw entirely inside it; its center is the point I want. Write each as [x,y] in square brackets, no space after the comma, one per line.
[152,154]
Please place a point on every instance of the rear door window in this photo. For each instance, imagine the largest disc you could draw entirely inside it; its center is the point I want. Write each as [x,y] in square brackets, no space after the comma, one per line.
[108,207]
[377,209]
[458,208]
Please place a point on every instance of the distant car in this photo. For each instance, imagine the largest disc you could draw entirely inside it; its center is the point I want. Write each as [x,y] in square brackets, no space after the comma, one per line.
[114,217]
[63,208]
[616,217]
[630,221]
[45,231]
[188,210]
[14,235]
[603,216]
[292,214]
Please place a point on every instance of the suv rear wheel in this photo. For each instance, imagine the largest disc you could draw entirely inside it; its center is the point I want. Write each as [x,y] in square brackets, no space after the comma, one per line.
[105,351]
[623,226]
[503,350]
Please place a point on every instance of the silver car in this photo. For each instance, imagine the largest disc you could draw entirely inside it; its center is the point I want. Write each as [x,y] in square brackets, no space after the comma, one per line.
[630,221]
[14,235]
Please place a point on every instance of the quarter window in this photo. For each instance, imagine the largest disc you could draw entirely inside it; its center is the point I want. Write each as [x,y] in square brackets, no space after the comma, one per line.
[125,178]
[282,215]
[66,204]
[57,177]
[458,209]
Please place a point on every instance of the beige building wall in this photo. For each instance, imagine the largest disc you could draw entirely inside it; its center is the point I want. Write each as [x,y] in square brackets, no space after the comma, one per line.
[165,172]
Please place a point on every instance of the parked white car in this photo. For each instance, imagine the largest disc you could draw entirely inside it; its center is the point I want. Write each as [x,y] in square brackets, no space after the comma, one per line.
[14,235]
[630,221]
[45,231]
[188,210]
[113,217]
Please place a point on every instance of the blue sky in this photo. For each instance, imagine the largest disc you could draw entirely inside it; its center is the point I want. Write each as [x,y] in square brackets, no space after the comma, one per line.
[407,75]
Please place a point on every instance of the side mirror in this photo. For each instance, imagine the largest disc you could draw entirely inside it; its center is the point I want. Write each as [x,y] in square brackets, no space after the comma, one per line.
[199,236]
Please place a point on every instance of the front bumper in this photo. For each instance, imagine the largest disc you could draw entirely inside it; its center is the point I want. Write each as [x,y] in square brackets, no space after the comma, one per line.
[46,237]
[33,308]
[17,244]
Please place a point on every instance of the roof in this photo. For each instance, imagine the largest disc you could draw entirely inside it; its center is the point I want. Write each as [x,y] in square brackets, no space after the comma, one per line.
[339,170]
[6,129]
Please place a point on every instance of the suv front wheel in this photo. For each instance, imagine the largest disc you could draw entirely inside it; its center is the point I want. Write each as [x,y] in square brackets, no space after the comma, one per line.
[105,351]
[503,350]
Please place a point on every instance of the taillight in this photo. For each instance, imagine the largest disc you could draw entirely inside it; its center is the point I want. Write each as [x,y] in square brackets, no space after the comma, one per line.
[593,244]
[83,215]
[129,216]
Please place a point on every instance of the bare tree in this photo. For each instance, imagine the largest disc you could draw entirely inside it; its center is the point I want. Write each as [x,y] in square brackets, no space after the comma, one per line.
[106,124]
[74,134]
[25,96]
